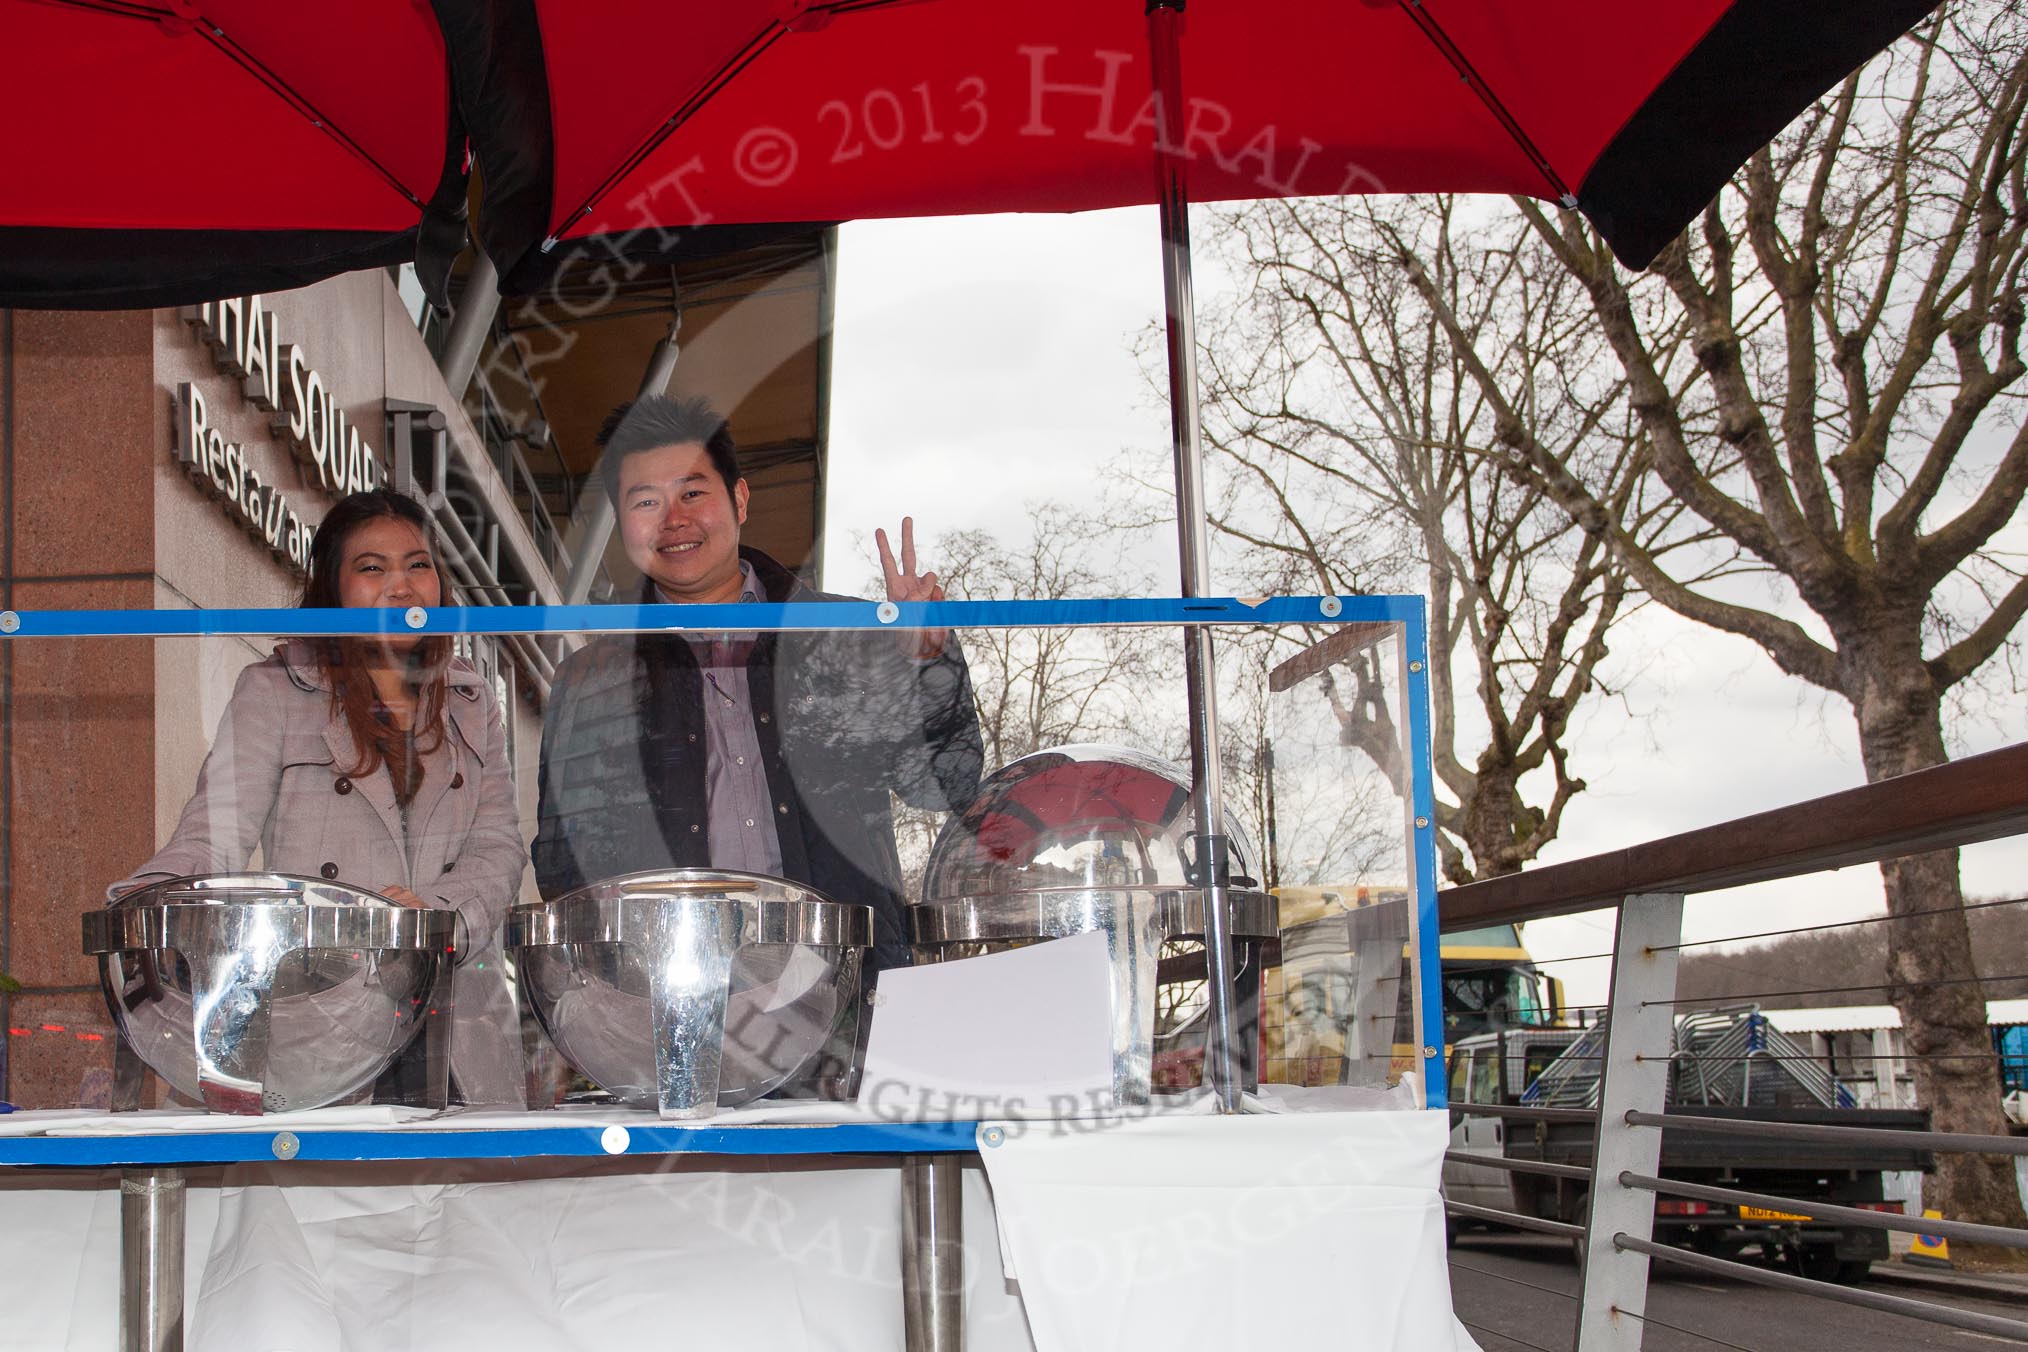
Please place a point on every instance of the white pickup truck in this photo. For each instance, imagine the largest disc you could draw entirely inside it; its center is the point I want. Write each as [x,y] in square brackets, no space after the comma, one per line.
[1727,1064]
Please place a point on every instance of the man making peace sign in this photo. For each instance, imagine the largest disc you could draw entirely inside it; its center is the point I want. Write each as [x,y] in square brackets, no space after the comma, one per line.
[763,753]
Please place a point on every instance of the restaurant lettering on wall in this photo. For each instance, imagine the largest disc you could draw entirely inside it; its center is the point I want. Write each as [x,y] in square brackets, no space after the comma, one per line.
[306,417]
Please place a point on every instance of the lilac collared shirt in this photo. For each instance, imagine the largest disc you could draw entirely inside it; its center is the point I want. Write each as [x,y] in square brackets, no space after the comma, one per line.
[739,817]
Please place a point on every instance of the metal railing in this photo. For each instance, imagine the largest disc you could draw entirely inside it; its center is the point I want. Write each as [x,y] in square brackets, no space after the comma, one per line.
[474,562]
[503,449]
[1979,798]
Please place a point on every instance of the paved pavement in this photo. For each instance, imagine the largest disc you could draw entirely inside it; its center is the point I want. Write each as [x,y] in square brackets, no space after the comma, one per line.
[1518,1293]
[1927,1283]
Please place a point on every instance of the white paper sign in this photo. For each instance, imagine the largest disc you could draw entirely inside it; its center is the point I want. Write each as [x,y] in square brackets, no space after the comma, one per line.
[1025,1033]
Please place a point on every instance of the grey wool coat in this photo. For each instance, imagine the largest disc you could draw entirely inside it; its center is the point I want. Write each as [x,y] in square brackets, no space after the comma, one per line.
[275,777]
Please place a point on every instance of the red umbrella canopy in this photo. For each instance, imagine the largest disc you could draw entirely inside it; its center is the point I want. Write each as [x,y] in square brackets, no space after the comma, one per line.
[161,150]
[652,115]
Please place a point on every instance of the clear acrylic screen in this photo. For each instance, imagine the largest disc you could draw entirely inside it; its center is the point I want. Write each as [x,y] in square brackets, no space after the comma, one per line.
[561,761]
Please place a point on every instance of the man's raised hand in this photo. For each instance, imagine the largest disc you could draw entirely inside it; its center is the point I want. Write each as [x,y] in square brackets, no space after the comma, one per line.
[905,584]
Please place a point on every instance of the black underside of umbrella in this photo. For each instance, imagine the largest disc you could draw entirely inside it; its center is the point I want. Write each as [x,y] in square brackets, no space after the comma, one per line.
[81,268]
[1759,67]
[67,269]
[639,249]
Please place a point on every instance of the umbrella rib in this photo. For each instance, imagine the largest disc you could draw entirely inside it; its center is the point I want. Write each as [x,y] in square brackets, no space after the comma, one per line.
[252,65]
[718,79]
[126,9]
[256,68]
[1448,49]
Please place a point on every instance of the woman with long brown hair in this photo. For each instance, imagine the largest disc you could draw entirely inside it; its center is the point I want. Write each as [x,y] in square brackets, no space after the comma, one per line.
[381,762]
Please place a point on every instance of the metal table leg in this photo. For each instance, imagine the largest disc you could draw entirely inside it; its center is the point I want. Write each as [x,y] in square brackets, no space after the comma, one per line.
[151,1260]
[932,1254]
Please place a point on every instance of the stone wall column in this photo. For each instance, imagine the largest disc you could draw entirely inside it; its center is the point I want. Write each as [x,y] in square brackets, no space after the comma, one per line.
[78,434]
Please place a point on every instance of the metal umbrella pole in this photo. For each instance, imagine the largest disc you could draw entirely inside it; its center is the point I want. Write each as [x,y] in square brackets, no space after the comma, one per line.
[1214,861]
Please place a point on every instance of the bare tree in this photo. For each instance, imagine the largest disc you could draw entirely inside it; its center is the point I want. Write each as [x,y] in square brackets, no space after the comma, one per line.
[1037,687]
[1045,687]
[1349,439]
[1328,820]
[1793,970]
[1826,371]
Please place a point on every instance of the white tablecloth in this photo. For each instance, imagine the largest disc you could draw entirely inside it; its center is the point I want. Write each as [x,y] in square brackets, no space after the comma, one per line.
[1175,1231]
[1229,1232]
[561,1256]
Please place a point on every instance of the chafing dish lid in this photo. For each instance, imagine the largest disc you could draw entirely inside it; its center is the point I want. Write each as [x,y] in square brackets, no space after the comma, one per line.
[695,882]
[258,889]
[1085,816]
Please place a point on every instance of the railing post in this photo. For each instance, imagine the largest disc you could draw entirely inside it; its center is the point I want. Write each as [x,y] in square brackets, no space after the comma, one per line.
[1640,1035]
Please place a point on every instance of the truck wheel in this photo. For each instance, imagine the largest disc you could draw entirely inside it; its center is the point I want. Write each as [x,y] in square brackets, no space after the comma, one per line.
[1852,1271]
[1819,1263]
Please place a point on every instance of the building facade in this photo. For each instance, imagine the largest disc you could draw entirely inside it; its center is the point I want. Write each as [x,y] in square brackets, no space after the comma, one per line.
[181,458]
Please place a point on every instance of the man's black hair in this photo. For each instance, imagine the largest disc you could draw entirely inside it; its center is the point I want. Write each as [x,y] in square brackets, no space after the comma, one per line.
[654,421]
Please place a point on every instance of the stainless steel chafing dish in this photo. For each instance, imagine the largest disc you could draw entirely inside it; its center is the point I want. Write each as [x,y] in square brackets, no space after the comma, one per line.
[1087,837]
[687,990]
[262,992]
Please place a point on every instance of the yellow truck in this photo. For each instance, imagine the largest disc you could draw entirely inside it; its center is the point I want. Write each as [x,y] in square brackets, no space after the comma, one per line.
[1336,1000]
[1324,1011]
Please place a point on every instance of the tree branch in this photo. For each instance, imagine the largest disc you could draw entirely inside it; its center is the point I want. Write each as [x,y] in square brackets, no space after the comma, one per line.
[1785,641]
[1969,653]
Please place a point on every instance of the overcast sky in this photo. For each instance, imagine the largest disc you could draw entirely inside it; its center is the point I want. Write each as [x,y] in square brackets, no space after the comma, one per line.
[983,363]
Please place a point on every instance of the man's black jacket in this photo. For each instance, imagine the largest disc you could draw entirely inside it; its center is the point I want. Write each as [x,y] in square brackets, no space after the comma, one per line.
[842,718]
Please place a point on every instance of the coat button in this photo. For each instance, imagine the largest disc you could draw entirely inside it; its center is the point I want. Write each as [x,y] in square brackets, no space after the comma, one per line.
[343,785]
[330,870]
[763,718]
[457,781]
[693,828]
[693,736]
[782,808]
